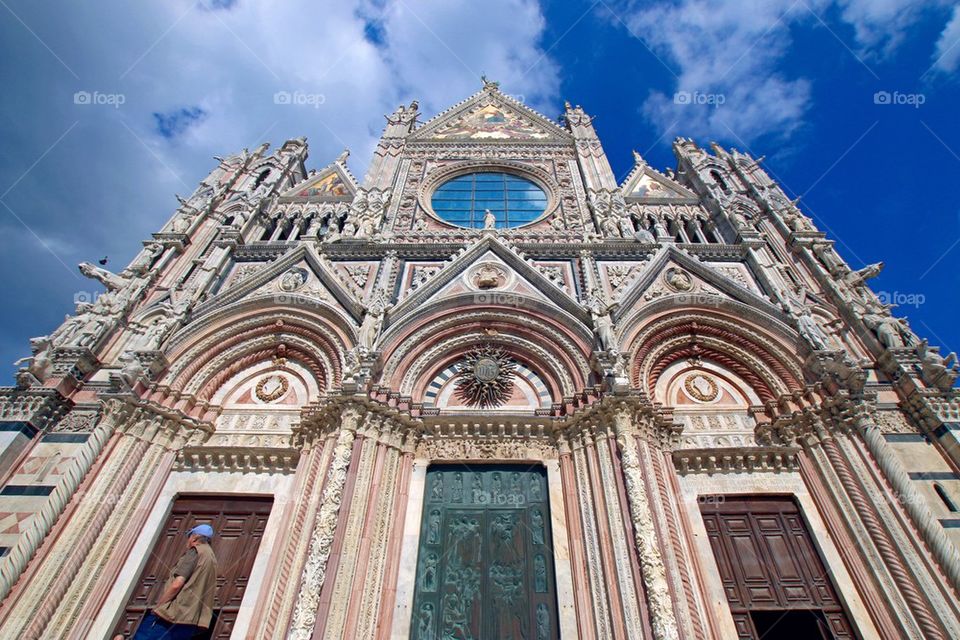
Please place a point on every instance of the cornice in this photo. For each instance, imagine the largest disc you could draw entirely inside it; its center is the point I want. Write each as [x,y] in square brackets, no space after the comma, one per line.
[238,459]
[737,460]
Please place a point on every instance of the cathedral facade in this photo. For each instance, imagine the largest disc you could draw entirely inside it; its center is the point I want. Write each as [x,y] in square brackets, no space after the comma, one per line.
[487,392]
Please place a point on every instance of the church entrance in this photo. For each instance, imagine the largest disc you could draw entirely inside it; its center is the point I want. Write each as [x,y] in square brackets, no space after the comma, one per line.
[775,581]
[239,523]
[485,561]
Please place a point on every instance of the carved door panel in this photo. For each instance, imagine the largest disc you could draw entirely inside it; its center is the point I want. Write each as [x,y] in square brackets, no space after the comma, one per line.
[485,562]
[775,581]
[239,524]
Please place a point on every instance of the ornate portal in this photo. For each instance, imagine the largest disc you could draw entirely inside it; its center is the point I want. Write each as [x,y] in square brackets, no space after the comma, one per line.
[485,561]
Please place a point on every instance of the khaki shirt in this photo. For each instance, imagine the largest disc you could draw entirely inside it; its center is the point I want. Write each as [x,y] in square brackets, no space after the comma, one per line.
[194,603]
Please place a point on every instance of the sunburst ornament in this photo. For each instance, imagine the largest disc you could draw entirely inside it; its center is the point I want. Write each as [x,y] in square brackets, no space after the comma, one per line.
[485,377]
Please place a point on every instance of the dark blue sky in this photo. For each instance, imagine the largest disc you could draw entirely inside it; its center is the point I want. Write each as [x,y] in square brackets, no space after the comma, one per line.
[173,83]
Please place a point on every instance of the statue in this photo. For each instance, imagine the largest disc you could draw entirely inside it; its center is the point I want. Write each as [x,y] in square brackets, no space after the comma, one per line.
[645,236]
[935,370]
[857,278]
[811,330]
[602,323]
[110,280]
[886,327]
[71,324]
[828,257]
[154,335]
[39,365]
[132,370]
[626,227]
[145,260]
[489,220]
[372,323]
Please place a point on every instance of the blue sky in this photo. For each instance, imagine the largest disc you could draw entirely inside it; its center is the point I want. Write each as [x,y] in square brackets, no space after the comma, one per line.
[110,109]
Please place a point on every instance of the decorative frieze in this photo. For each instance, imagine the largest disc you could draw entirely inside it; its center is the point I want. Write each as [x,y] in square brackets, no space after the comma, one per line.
[736,460]
[238,459]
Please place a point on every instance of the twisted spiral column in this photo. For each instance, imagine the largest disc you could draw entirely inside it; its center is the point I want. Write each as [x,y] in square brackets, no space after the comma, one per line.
[662,618]
[314,573]
[940,546]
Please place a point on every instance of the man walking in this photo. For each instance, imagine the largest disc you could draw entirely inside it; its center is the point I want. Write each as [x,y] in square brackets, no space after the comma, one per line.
[186,603]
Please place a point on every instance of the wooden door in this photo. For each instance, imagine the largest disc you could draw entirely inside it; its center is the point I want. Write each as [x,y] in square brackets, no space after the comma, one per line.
[775,581]
[239,523]
[485,565]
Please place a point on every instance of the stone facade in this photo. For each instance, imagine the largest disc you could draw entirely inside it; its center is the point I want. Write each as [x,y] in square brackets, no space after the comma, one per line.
[658,344]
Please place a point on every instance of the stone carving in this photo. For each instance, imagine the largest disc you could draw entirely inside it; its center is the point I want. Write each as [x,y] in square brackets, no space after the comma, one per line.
[618,274]
[554,274]
[272,388]
[293,279]
[470,449]
[935,370]
[651,562]
[372,323]
[422,273]
[701,387]
[678,279]
[488,276]
[359,273]
[314,573]
[485,377]
[111,281]
[602,322]
[39,365]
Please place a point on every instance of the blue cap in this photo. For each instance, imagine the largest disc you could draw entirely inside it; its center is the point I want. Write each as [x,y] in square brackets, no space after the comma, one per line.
[204,530]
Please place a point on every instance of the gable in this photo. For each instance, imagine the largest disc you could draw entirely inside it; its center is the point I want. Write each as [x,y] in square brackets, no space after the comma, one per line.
[490,116]
[674,273]
[332,182]
[648,187]
[299,277]
[491,122]
[646,184]
[493,273]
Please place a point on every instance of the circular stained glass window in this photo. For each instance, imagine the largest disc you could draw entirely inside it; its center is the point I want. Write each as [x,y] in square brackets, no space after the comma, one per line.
[513,200]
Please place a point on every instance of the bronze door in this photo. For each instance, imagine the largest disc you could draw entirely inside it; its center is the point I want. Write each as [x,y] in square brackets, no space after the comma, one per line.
[776,583]
[239,524]
[485,561]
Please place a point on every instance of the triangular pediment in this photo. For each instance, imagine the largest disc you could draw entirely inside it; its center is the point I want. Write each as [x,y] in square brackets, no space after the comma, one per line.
[487,271]
[333,182]
[646,184]
[673,272]
[490,116]
[301,275]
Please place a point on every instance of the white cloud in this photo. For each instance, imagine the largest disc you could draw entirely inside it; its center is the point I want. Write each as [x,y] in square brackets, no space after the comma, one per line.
[880,25]
[110,181]
[727,53]
[724,53]
[947,54]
